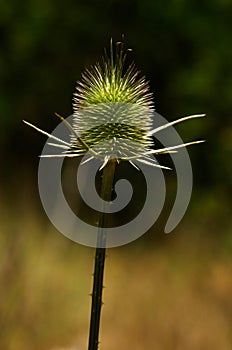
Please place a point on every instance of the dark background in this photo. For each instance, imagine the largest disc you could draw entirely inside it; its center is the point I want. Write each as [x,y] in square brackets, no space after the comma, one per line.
[184,49]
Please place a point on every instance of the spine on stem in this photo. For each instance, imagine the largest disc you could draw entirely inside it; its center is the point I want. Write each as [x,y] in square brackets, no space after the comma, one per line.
[106,194]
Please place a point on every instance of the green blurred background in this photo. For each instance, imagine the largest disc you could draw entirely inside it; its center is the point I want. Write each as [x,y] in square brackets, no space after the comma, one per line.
[168,292]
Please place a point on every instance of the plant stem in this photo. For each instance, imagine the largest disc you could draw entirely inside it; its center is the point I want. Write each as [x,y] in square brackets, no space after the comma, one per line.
[106,194]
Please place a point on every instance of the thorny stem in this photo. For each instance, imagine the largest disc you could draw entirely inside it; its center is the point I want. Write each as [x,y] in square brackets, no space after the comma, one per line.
[106,193]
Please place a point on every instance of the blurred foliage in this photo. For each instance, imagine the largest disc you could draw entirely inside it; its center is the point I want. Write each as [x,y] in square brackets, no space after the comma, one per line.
[184,49]
[176,295]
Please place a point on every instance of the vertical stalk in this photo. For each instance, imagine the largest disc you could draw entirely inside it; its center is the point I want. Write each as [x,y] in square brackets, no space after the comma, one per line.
[106,194]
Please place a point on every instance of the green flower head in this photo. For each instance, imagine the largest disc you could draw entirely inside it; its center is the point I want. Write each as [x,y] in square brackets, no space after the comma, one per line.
[113,113]
[113,108]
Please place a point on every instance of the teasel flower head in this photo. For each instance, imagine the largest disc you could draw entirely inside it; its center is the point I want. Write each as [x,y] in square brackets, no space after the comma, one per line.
[113,111]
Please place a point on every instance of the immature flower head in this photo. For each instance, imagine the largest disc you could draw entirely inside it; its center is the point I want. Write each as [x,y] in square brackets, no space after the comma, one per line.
[113,112]
[113,108]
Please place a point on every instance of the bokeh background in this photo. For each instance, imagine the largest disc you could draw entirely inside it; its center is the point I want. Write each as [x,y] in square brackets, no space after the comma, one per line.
[169,292]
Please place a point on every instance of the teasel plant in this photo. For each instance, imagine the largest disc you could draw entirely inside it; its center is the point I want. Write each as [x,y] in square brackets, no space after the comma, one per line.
[112,122]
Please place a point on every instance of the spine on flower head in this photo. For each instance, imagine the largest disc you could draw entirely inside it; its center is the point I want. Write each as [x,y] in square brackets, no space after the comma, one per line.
[112,81]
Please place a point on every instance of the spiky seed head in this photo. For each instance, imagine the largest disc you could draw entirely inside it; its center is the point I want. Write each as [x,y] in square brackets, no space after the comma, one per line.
[113,103]
[113,111]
